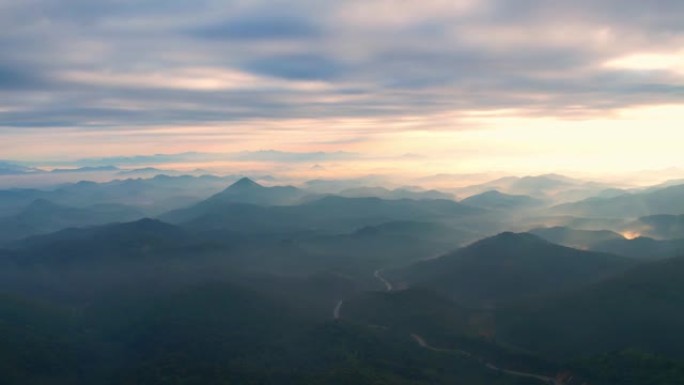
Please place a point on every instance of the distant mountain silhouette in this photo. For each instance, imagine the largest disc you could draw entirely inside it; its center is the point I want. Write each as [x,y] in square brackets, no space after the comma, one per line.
[152,196]
[328,214]
[669,200]
[246,190]
[658,226]
[401,193]
[43,216]
[499,201]
[579,239]
[643,248]
[427,230]
[8,168]
[113,242]
[509,267]
[555,187]
[85,169]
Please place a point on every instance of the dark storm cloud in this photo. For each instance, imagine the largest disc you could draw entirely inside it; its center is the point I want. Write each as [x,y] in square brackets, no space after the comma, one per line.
[123,64]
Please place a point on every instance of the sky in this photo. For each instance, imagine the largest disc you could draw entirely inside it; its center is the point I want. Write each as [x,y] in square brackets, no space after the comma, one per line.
[322,88]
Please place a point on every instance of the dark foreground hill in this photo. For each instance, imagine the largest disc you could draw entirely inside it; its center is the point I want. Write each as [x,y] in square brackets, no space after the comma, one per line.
[213,333]
[509,267]
[642,309]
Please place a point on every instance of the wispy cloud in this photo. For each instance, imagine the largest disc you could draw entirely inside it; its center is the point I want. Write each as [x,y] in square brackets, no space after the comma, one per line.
[201,157]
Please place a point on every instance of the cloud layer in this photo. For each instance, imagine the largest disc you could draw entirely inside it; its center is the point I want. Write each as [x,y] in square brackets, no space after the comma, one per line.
[331,71]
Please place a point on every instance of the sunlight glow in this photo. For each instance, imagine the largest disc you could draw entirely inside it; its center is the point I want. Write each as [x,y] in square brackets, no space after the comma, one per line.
[631,234]
[649,62]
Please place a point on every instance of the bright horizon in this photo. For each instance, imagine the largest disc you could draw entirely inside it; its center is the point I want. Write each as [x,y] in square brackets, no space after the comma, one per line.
[317,89]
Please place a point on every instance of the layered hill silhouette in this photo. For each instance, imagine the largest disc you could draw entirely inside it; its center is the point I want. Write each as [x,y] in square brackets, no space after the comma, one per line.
[546,187]
[579,239]
[669,200]
[400,193]
[227,210]
[499,201]
[111,243]
[43,216]
[658,226]
[642,248]
[151,196]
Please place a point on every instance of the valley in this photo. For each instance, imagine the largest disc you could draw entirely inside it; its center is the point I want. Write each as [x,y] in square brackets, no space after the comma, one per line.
[259,277]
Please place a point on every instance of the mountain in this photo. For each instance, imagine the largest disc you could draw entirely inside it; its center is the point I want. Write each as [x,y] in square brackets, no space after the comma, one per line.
[507,268]
[388,244]
[658,226]
[391,208]
[579,239]
[496,200]
[334,186]
[643,248]
[246,190]
[43,216]
[8,168]
[401,193]
[549,188]
[113,242]
[153,196]
[669,200]
[85,169]
[327,214]
[433,231]
[640,309]
[144,171]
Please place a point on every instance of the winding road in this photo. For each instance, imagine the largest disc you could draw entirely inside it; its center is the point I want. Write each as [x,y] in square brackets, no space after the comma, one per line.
[378,275]
[547,380]
[423,344]
[421,341]
[336,310]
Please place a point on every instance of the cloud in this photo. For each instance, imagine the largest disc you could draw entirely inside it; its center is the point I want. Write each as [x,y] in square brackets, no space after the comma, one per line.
[272,156]
[259,26]
[16,77]
[110,67]
[297,67]
[295,157]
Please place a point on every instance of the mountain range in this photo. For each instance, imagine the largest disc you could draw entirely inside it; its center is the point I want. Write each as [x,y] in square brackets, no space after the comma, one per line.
[284,285]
